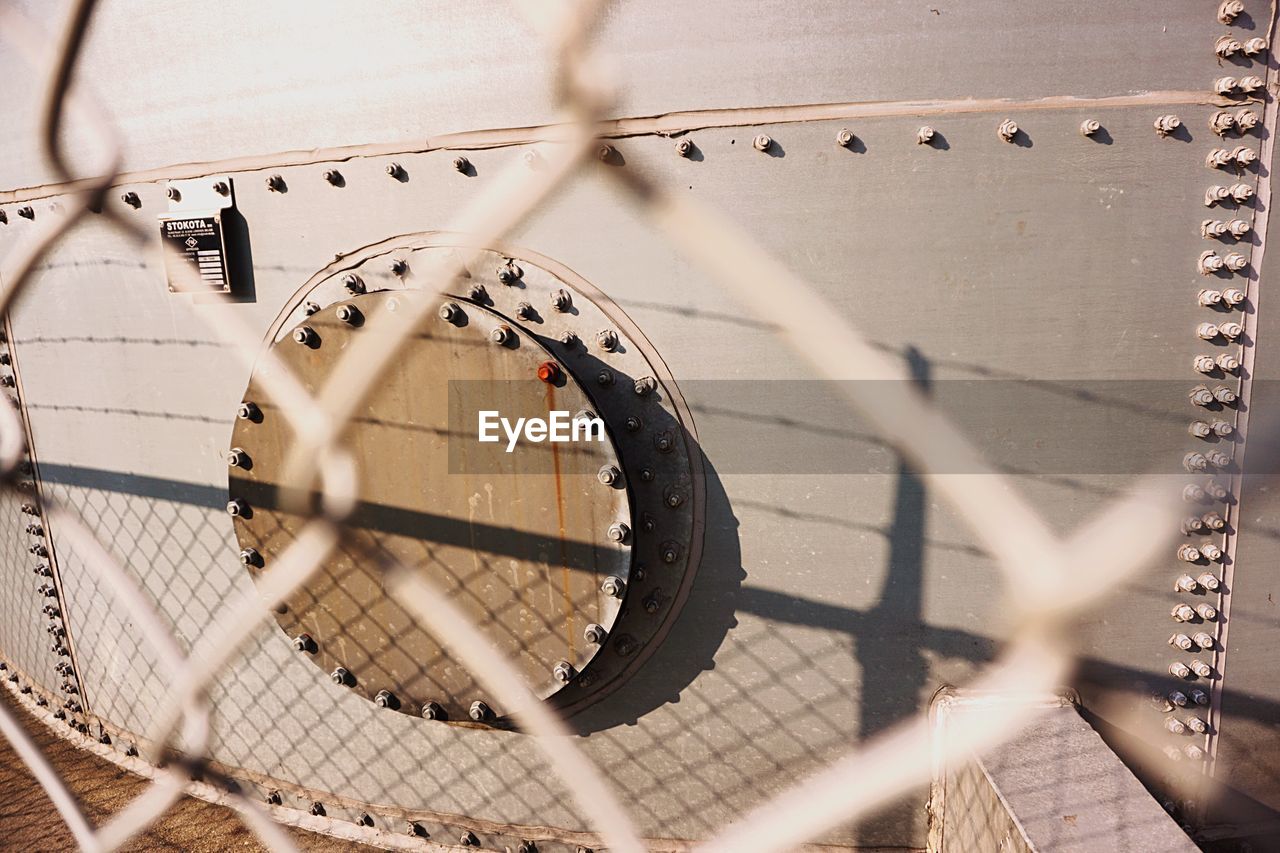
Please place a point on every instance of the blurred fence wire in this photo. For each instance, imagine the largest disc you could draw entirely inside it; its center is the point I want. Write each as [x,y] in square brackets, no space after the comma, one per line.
[1044,584]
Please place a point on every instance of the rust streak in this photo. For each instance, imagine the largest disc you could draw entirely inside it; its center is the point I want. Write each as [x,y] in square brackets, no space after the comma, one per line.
[570,625]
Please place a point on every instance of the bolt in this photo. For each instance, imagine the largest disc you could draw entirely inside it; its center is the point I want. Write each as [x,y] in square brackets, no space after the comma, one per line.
[399,266]
[385,699]
[477,293]
[646,474]
[1218,459]
[1174,725]
[1203,640]
[524,311]
[1225,85]
[333,176]
[605,152]
[1183,613]
[432,711]
[1182,641]
[1207,611]
[613,586]
[478,711]
[1200,429]
[1179,669]
[844,138]
[509,273]
[1185,583]
[549,372]
[1226,45]
[461,164]
[1204,364]
[1201,668]
[762,142]
[684,147]
[27,212]
[502,335]
[1222,123]
[306,336]
[1198,696]
[237,508]
[1211,228]
[1214,521]
[1090,126]
[609,475]
[607,339]
[563,671]
[604,378]
[1207,331]
[1215,491]
[633,424]
[1189,554]
[237,458]
[1233,296]
[1224,395]
[1250,83]
[311,308]
[450,312]
[561,301]
[275,184]
[645,385]
[304,643]
[1211,552]
[1254,46]
[619,531]
[1244,155]
[1239,228]
[1228,362]
[595,634]
[317,808]
[1222,428]
[1241,192]
[132,199]
[173,194]
[248,411]
[1228,11]
[1007,130]
[394,170]
[1209,298]
[1216,194]
[340,676]
[526,847]
[349,314]
[1167,124]
[674,499]
[468,839]
[1236,261]
[1208,581]
[353,283]
[1218,158]
[924,135]
[664,442]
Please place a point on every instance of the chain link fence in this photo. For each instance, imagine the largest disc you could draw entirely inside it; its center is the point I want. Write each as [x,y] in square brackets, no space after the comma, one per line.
[1046,584]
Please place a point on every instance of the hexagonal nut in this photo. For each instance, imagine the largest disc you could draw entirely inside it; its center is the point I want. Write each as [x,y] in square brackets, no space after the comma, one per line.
[341,676]
[762,142]
[1228,11]
[1243,155]
[1218,158]
[619,532]
[595,634]
[1204,364]
[607,339]
[1182,613]
[1207,611]
[1200,429]
[563,672]
[1201,668]
[1228,362]
[1211,228]
[609,475]
[613,586]
[1239,228]
[1209,581]
[1008,130]
[685,147]
[1224,395]
[1254,46]
[925,135]
[479,711]
[1178,669]
[1233,296]
[1090,126]
[1167,124]
[1227,45]
[432,711]
[1225,85]
[1240,192]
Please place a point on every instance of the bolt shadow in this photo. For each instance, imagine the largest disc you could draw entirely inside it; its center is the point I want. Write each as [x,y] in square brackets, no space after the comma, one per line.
[939,142]
[1102,137]
[1022,139]
[239,252]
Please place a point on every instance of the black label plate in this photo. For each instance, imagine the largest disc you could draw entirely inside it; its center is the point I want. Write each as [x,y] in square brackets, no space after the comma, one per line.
[195,244]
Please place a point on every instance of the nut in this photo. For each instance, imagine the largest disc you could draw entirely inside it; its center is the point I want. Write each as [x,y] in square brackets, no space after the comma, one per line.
[461,164]
[1231,331]
[561,301]
[432,711]
[1204,364]
[563,672]
[1239,228]
[1167,124]
[924,135]
[1175,725]
[1254,46]
[762,142]
[609,475]
[1228,10]
[684,147]
[450,312]
[1213,521]
[1211,551]
[844,138]
[1226,46]
[1225,85]
[237,458]
[502,335]
[349,314]
[1089,127]
[1183,613]
[1216,194]
[1241,192]
[1200,429]
[1181,641]
[619,532]
[1218,459]
[1208,581]
[1194,462]
[478,711]
[1228,362]
[1222,123]
[612,586]
[607,339]
[1233,296]
[1203,640]
[1218,158]
[1179,669]
[306,336]
[340,675]
[1193,493]
[1196,725]
[1235,261]
[1224,395]
[1244,155]
[1201,668]
[1251,83]
[1007,130]
[595,634]
[1207,611]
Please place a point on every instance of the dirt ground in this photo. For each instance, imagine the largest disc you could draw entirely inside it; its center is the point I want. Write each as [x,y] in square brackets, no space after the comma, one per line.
[29,822]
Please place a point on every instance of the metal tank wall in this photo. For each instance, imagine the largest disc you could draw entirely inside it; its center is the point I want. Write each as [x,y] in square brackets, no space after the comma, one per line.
[834,595]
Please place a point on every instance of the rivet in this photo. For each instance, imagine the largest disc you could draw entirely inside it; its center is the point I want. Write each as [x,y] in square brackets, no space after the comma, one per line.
[1226,46]
[561,301]
[237,508]
[385,699]
[353,283]
[1241,192]
[633,424]
[684,147]
[1182,641]
[333,176]
[432,711]
[1239,228]
[1200,429]
[304,643]
[1216,194]
[1201,668]
[924,135]
[619,531]
[604,378]
[349,314]
[762,142]
[563,672]
[502,335]
[399,266]
[613,586]
[450,312]
[608,475]
[478,711]
[1254,46]
[306,336]
[1233,296]
[1214,521]
[132,199]
[248,411]
[461,164]
[1207,611]
[238,458]
[1167,124]
[1251,83]
[27,212]
[1209,298]
[1225,85]
[549,372]
[1228,362]
[844,138]
[394,170]
[1208,581]
[607,339]
[509,273]
[1007,130]
[1183,613]
[645,385]
[1179,669]
[595,634]
[340,675]
[275,183]
[1228,11]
